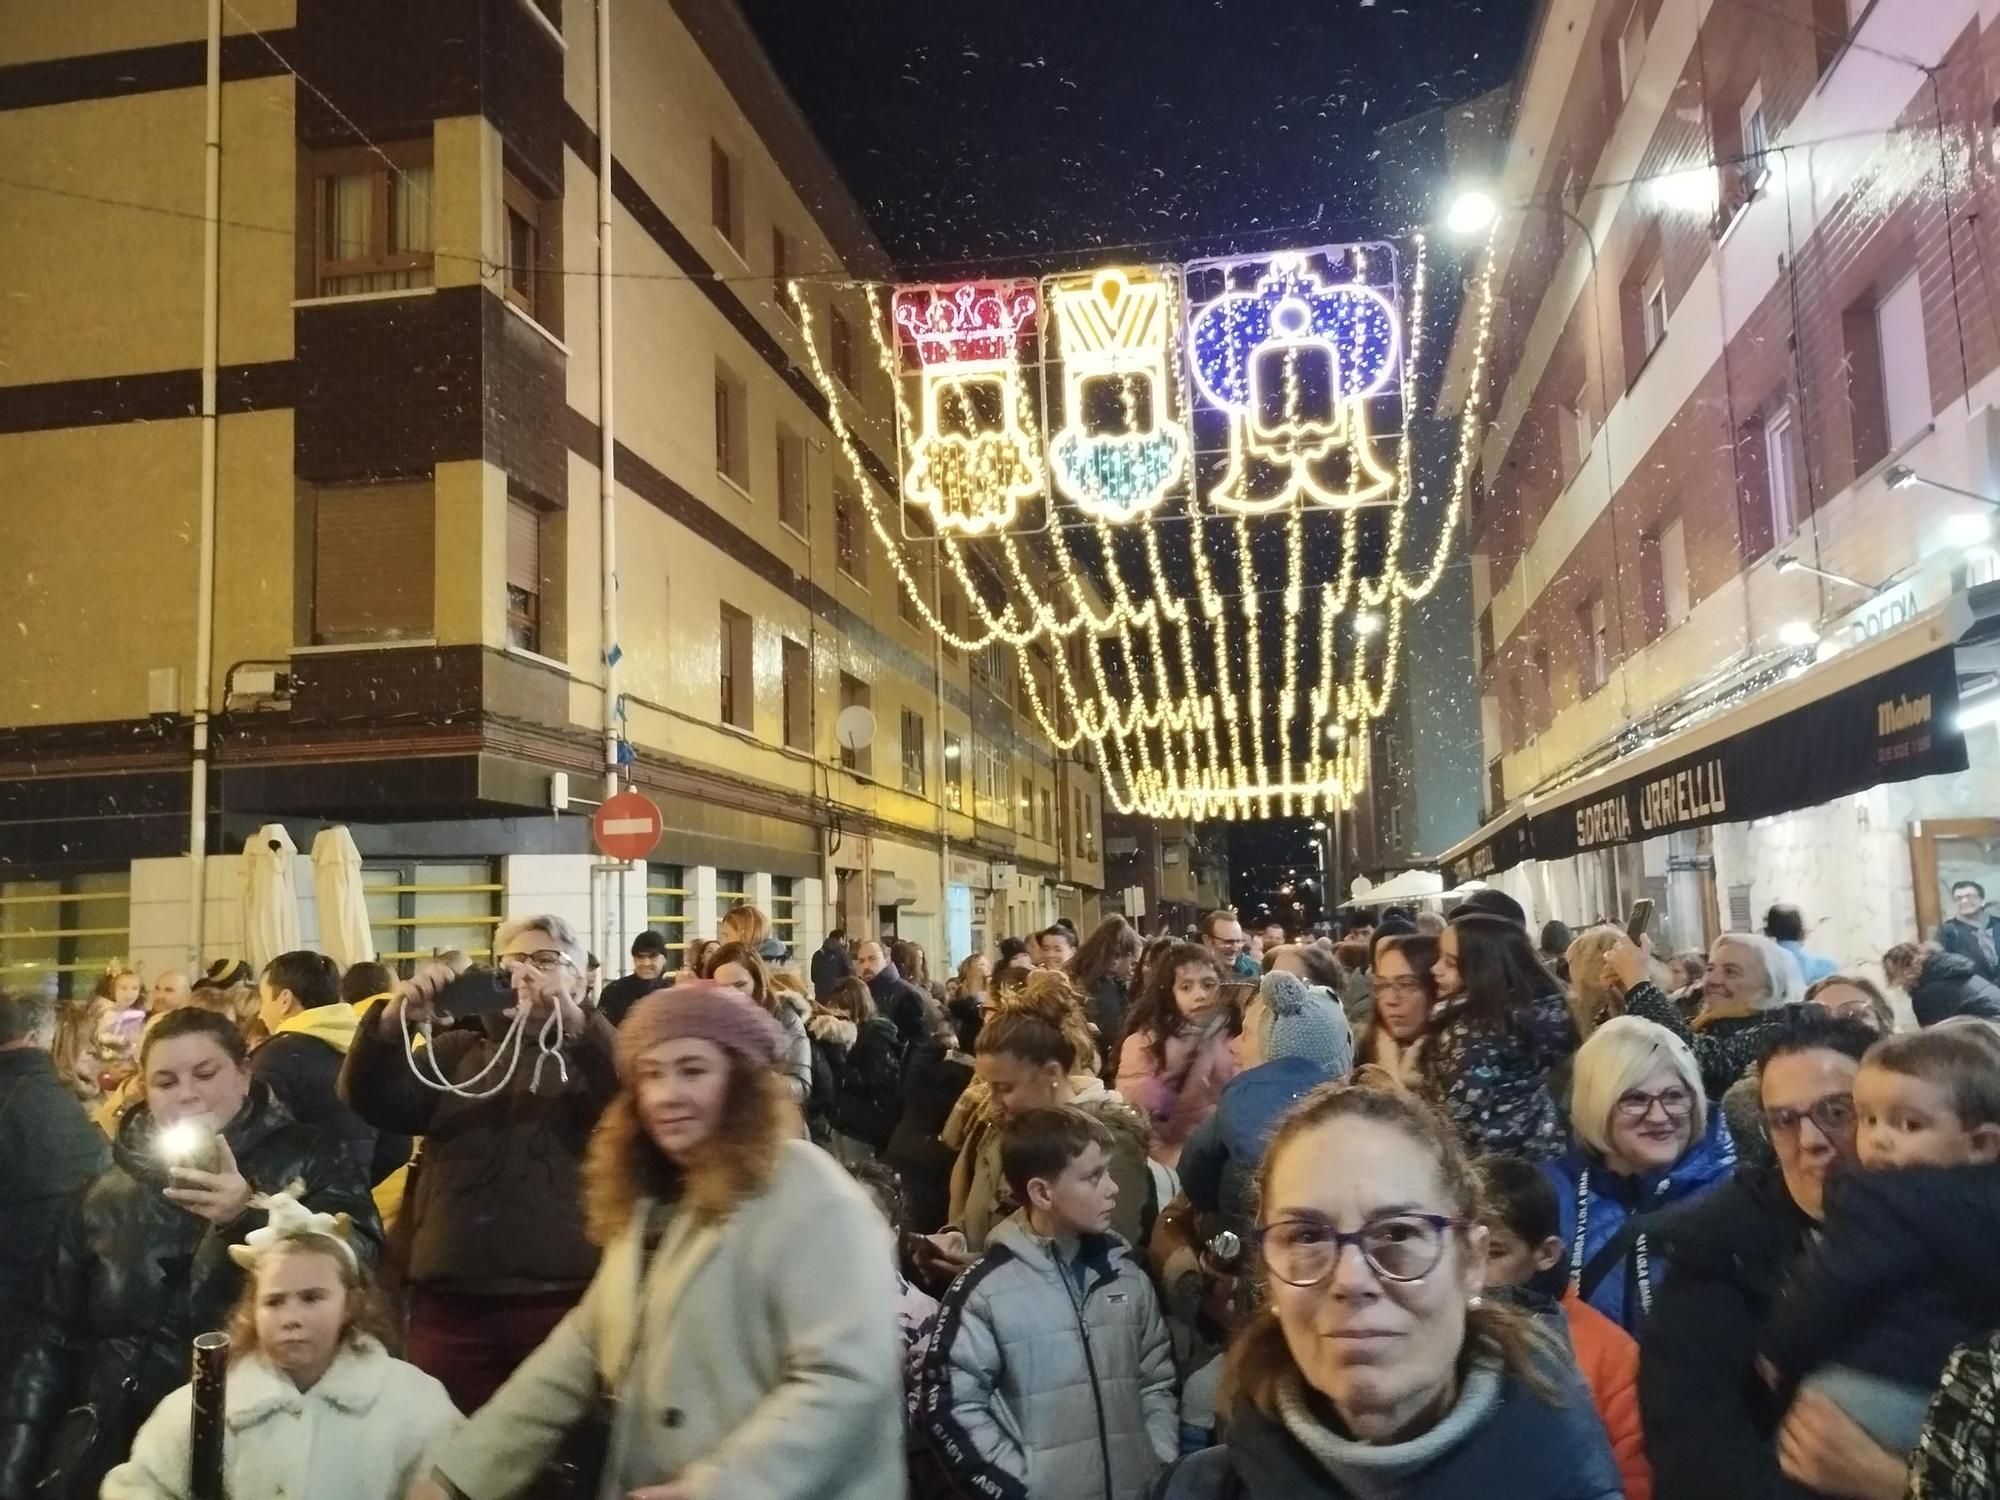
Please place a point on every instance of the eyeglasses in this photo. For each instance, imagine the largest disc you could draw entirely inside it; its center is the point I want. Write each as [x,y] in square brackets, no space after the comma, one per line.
[1404,984]
[548,960]
[1834,1115]
[1675,1103]
[1403,1247]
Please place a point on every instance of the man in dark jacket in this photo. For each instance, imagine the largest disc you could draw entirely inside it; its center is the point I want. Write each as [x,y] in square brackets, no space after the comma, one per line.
[49,1152]
[830,964]
[496,1247]
[649,972]
[895,997]
[1971,931]
[311,1027]
[1711,1419]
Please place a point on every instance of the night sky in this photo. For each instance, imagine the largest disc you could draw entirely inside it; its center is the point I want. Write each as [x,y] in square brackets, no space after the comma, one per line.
[1039,136]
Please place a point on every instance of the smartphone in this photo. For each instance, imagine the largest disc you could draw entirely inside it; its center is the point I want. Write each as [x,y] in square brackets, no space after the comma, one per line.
[479,991]
[1640,919]
[191,1142]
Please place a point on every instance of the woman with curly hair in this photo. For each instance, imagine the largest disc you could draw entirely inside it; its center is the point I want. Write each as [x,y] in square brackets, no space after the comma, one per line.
[726,1360]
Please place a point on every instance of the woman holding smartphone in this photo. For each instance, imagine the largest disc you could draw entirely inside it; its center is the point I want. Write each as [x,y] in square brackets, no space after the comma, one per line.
[142,1264]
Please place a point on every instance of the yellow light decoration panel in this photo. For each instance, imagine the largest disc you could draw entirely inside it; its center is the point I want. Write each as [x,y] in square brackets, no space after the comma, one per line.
[1114,337]
[970,457]
[1288,353]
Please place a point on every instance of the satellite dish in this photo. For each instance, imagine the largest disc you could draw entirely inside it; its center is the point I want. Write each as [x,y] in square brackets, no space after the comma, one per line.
[854,729]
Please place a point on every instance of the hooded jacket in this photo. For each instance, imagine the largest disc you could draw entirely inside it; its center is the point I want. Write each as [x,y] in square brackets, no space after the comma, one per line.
[901,1001]
[1219,1163]
[1949,985]
[868,1075]
[1711,1420]
[830,964]
[49,1152]
[1499,1441]
[301,1065]
[934,1078]
[986,1198]
[1493,1082]
[795,1063]
[1605,1204]
[493,1207]
[131,1279]
[1051,1380]
[365,1431]
[1902,1275]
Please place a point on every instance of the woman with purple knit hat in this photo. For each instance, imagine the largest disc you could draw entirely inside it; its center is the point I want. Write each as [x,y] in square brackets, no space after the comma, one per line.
[740,1337]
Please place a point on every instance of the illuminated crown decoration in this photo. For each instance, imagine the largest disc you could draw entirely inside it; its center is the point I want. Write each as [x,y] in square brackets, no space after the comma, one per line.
[1253,353]
[972,457]
[1117,325]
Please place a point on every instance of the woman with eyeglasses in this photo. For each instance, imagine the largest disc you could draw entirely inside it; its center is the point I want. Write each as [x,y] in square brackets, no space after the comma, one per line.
[1376,1366]
[1711,1418]
[1403,993]
[494,1239]
[1645,1138]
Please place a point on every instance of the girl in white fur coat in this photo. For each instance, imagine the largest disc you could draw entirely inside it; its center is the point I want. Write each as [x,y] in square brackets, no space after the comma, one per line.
[316,1408]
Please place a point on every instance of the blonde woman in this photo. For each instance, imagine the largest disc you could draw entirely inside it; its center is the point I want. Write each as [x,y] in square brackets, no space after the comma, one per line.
[727,1360]
[1646,1137]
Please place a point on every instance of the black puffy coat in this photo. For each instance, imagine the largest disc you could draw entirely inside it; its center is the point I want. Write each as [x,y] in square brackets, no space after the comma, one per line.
[871,1082]
[1951,986]
[49,1153]
[132,1279]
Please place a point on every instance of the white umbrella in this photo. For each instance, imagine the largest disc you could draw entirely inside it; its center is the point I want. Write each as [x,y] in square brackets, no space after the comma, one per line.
[344,933]
[269,895]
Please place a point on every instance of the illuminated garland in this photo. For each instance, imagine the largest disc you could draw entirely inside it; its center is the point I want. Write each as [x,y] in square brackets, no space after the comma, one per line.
[1289,355]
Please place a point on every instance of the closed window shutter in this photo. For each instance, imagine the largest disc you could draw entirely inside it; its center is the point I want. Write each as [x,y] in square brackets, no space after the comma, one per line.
[524,546]
[373,563]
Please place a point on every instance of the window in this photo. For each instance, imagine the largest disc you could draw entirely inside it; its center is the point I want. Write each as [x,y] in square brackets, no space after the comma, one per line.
[373,557]
[1632,48]
[1026,821]
[1906,378]
[1781,475]
[1653,309]
[732,428]
[1048,817]
[954,772]
[666,904]
[781,271]
[1674,588]
[1573,433]
[791,479]
[64,931]
[524,574]
[840,346]
[732,888]
[848,547]
[1756,138]
[797,705]
[372,219]
[913,751]
[533,274]
[738,680]
[854,694]
[725,196]
[420,907]
[1594,660]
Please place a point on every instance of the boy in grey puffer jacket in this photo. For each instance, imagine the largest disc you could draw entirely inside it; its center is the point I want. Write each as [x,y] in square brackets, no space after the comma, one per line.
[1051,1374]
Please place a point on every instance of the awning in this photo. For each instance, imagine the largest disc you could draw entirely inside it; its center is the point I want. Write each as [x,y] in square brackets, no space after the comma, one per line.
[1882,712]
[1500,845]
[1407,885]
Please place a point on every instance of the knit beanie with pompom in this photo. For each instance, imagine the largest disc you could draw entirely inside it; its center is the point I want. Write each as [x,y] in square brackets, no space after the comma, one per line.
[1301,1020]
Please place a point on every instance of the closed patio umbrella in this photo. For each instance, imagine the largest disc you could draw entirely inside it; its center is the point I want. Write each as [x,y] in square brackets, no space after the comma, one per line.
[344,934]
[269,895]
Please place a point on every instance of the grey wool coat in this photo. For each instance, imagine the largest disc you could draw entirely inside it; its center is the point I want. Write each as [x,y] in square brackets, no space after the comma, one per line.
[754,1357]
[1051,1381]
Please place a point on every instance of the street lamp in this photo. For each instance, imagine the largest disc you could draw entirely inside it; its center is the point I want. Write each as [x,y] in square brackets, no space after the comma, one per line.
[1903,477]
[1787,562]
[1472,211]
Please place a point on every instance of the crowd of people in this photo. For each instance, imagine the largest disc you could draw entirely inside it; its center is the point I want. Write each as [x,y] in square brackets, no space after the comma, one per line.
[1437,1206]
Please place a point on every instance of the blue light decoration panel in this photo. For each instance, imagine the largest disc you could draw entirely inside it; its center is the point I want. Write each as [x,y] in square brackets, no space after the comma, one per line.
[1294,361]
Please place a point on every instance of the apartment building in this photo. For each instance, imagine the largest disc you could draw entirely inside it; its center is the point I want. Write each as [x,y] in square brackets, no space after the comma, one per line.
[1731,528]
[305,513]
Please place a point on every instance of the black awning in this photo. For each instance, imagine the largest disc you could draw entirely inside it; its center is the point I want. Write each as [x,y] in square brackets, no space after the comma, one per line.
[1500,849]
[1895,726]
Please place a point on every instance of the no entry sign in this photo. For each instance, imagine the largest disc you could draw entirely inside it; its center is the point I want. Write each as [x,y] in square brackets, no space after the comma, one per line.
[627,826]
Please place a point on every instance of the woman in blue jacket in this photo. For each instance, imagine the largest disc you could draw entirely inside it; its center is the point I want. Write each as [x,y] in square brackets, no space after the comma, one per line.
[1645,1138]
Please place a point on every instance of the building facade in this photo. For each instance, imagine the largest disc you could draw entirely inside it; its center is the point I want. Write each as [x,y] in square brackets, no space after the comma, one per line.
[1163,873]
[1729,549]
[305,511]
